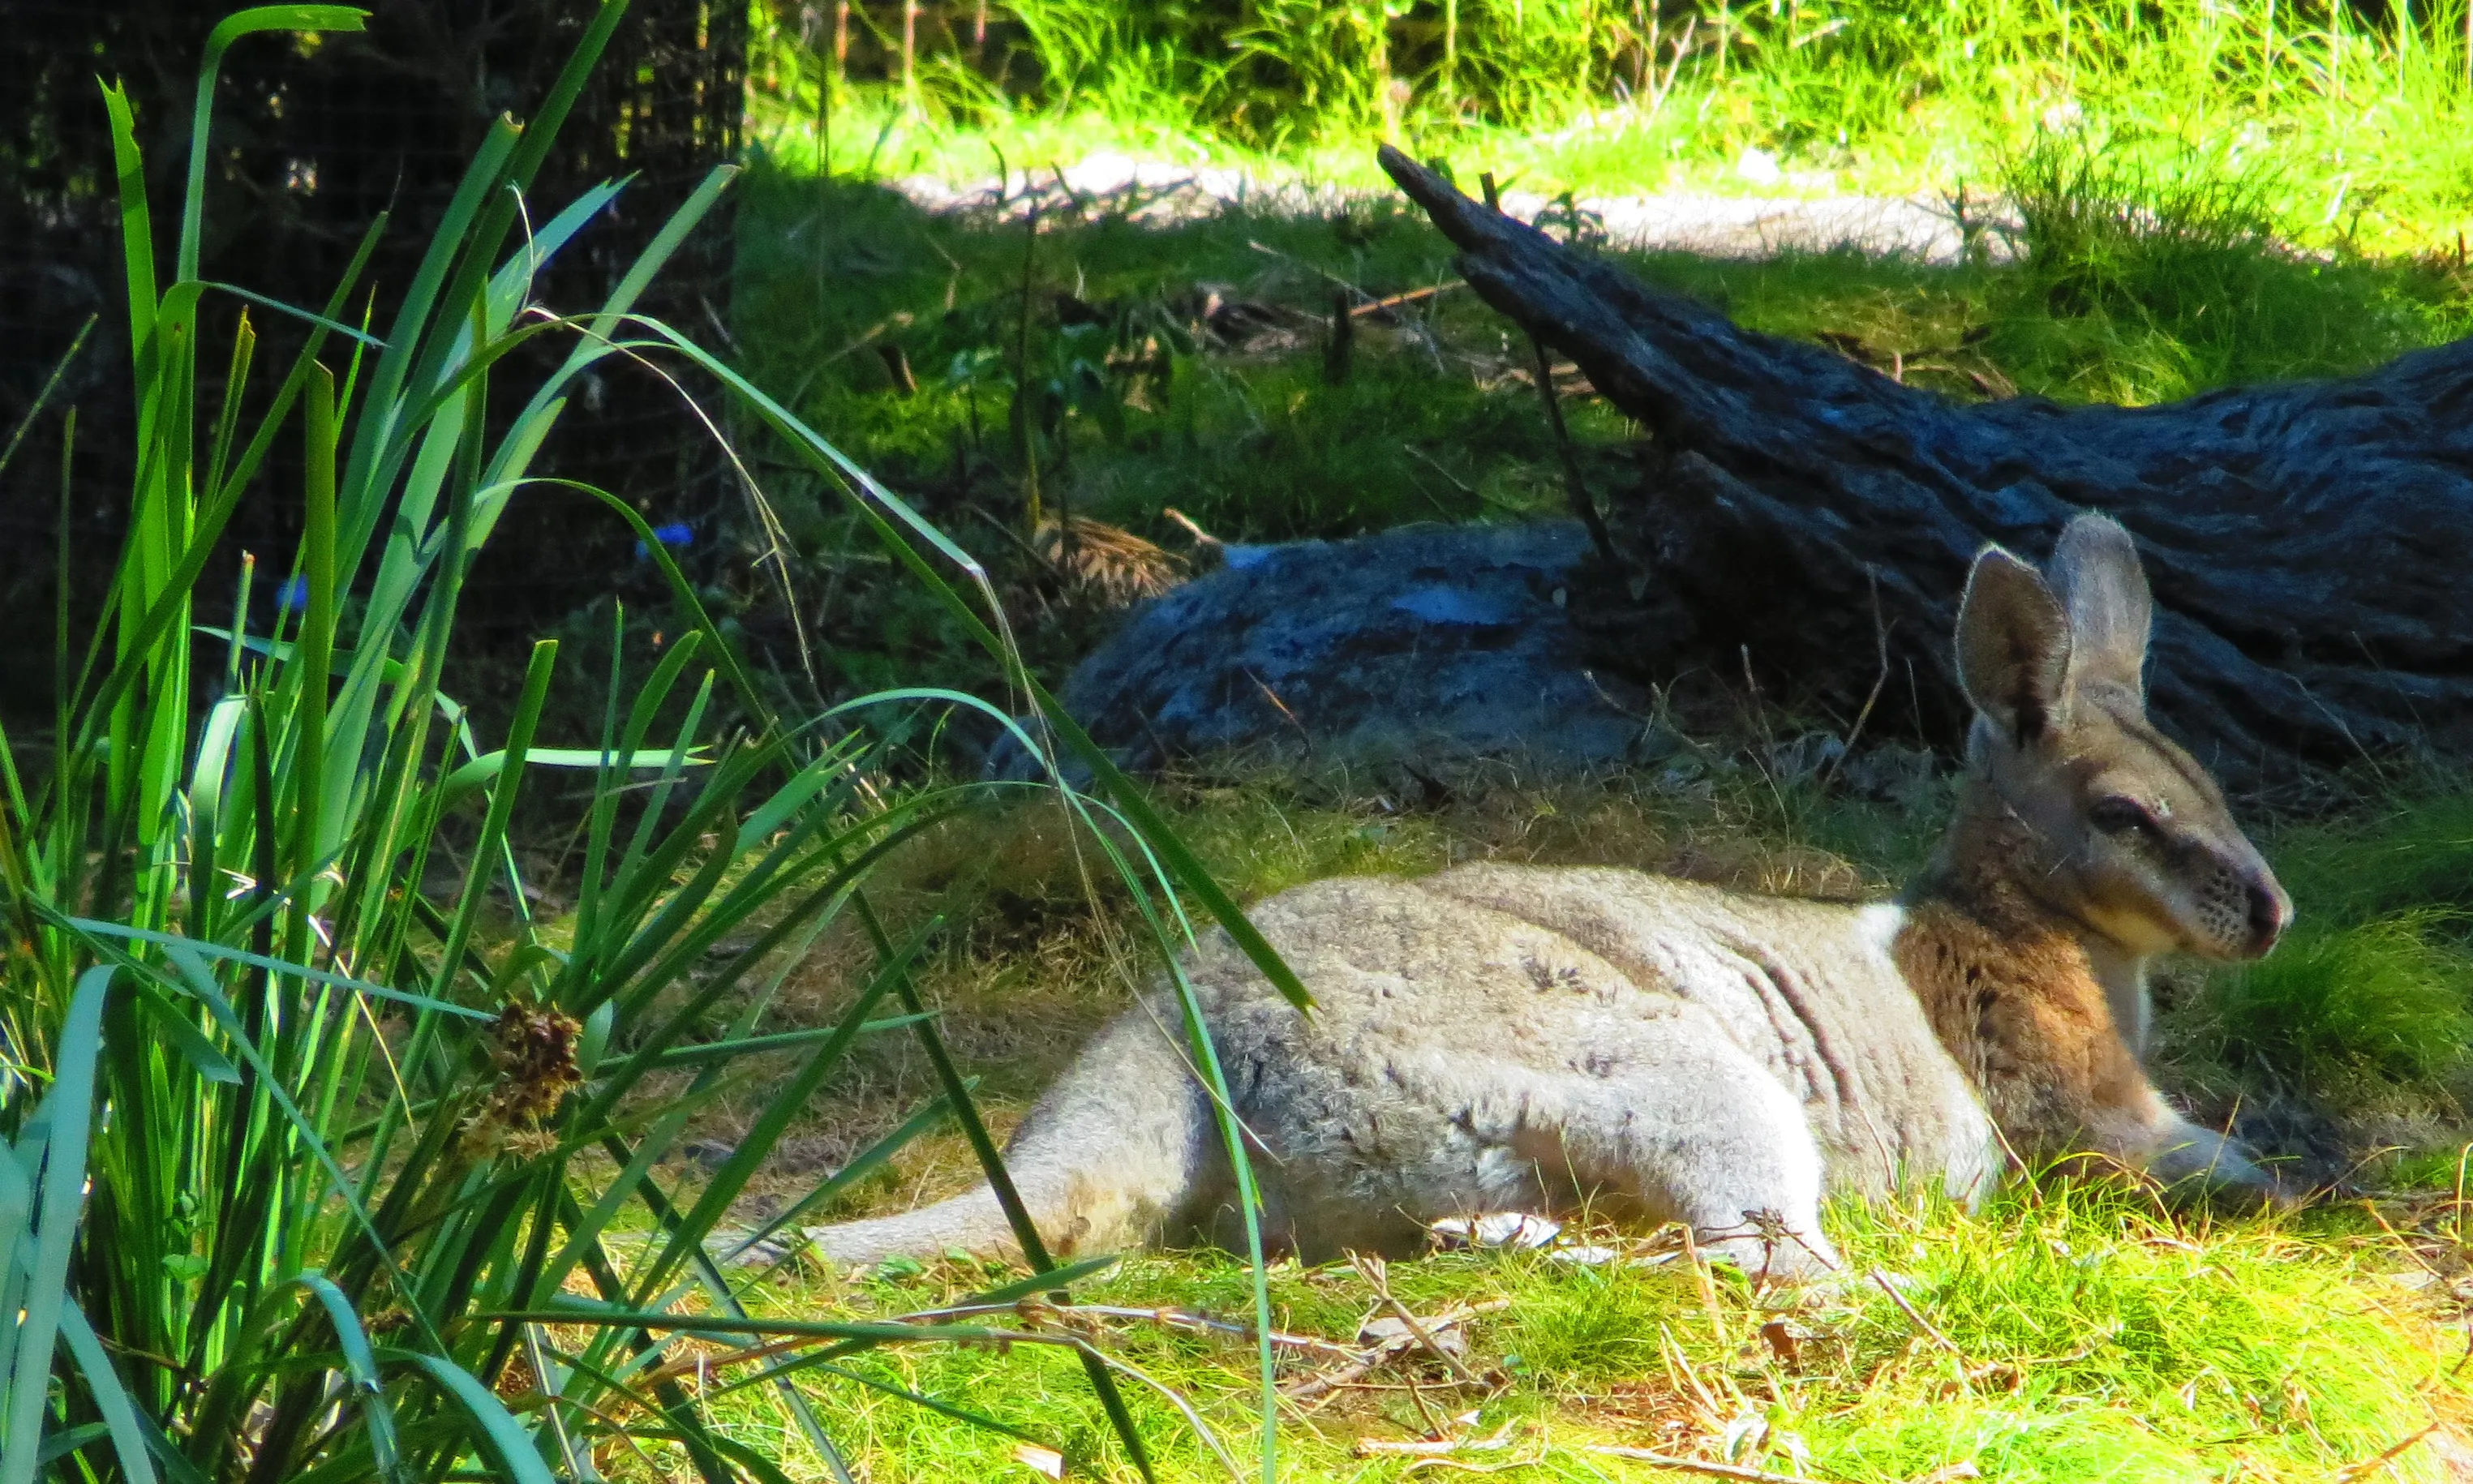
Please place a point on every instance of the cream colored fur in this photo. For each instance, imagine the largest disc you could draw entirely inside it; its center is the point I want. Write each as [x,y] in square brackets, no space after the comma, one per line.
[1526,1037]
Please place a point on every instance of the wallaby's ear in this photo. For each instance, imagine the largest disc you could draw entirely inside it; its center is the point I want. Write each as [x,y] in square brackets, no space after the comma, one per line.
[2014,646]
[2095,571]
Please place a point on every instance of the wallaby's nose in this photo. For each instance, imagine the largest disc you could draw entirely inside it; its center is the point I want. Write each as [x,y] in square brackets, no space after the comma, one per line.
[2270,912]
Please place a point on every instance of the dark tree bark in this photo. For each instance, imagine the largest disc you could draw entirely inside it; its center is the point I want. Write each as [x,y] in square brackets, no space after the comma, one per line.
[2308,543]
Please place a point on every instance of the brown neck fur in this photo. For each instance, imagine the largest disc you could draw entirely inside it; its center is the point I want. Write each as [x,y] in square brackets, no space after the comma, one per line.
[2007,984]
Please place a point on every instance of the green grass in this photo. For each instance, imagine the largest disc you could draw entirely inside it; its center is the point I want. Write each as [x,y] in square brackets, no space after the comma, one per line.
[2386,997]
[2411,847]
[823,264]
[2152,275]
[2092,1338]
[493,1130]
[2359,112]
[2370,1002]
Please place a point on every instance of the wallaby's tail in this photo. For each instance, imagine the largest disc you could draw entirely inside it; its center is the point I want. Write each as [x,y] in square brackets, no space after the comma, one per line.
[1112,1154]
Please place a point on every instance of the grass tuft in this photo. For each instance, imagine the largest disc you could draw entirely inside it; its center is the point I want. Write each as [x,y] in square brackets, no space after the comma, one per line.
[2386,997]
[2155,269]
[1582,1329]
[2369,1001]
[2416,850]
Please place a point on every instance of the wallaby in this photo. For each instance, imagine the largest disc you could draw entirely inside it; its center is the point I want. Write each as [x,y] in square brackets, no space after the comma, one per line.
[1511,1038]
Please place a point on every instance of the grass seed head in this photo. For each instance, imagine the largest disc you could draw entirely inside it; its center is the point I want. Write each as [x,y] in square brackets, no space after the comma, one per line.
[534,1048]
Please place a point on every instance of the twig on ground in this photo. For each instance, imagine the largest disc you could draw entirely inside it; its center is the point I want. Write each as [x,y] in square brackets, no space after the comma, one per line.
[2375,1463]
[1349,1375]
[1371,1269]
[1202,540]
[1424,334]
[1379,305]
[1367,1360]
[1430,462]
[1336,279]
[1417,1399]
[1714,1470]
[1914,1316]
[1434,1448]
[1173,1318]
[1576,486]
[1881,639]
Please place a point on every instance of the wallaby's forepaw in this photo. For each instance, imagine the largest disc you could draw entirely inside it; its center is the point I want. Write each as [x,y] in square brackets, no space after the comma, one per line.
[1768,1250]
[2268,1192]
[2200,1165]
[1845,1287]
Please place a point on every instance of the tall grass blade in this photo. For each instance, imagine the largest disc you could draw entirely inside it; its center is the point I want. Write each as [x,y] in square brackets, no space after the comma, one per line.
[231,28]
[43,397]
[52,1153]
[360,1363]
[508,1440]
[120,1420]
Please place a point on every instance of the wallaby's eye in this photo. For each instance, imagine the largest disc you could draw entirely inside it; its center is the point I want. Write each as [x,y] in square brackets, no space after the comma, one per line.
[2116,813]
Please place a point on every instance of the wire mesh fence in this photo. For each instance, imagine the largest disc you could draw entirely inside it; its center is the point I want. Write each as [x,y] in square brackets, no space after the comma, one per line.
[313,137]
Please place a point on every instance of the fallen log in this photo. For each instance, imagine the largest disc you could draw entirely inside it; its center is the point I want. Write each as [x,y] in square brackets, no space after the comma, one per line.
[2308,543]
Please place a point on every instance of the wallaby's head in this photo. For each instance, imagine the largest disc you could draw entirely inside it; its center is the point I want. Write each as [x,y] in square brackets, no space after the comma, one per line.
[2131,838]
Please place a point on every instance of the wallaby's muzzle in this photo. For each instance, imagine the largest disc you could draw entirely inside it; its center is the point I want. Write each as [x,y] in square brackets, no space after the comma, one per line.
[2271,913]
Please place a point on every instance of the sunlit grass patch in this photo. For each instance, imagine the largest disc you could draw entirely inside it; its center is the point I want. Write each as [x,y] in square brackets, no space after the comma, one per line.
[2088,1326]
[2135,289]
[2155,269]
[2362,112]
[1586,1328]
[2064,1334]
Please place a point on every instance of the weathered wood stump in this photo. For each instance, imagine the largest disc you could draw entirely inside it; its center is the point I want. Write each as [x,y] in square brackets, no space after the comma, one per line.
[2308,543]
[1422,646]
